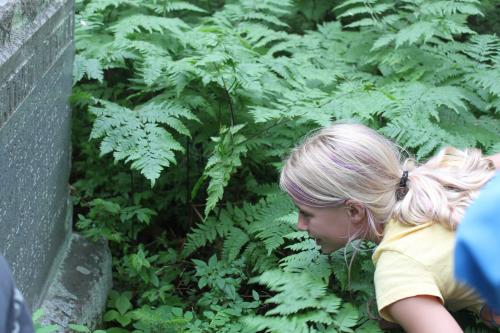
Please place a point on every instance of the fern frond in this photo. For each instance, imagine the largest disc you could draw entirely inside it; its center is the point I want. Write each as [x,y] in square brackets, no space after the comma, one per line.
[364,22]
[165,111]
[259,35]
[180,73]
[483,48]
[145,48]
[383,41]
[355,2]
[233,244]
[365,10]
[274,7]
[308,258]
[152,69]
[306,245]
[419,31]
[358,100]
[225,158]
[94,7]
[150,23]
[173,6]
[296,292]
[494,149]
[262,114]
[370,326]
[450,28]
[258,259]
[276,324]
[87,67]
[494,105]
[265,18]
[469,131]
[134,138]
[272,224]
[406,131]
[421,98]
[297,235]
[80,97]
[487,79]
[311,261]
[346,318]
[206,232]
[447,8]
[316,317]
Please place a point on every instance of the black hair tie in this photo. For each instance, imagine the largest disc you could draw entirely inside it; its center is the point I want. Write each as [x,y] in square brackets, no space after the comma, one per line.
[404,178]
[402,188]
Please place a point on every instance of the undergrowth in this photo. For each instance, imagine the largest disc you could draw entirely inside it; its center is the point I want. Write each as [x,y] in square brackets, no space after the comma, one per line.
[184,112]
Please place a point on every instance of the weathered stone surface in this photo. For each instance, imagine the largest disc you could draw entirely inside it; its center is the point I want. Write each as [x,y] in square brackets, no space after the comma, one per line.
[78,292]
[36,60]
[20,18]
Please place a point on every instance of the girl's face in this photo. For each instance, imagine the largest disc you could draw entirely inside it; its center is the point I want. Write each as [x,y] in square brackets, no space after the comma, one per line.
[332,227]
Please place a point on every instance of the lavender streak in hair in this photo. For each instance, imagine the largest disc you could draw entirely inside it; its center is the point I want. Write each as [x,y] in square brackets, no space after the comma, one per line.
[296,192]
[343,165]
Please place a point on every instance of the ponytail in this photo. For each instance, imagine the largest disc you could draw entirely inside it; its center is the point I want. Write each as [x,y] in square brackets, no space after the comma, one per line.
[442,188]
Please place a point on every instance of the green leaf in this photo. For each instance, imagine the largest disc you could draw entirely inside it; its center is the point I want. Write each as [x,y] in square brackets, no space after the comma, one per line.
[255,295]
[48,329]
[123,304]
[111,315]
[117,330]
[212,262]
[37,314]
[125,320]
[79,328]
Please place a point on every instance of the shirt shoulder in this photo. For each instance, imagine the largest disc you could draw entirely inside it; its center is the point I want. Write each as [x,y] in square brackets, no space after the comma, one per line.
[428,243]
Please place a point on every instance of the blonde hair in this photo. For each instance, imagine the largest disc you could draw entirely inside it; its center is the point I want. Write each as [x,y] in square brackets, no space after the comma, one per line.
[352,161]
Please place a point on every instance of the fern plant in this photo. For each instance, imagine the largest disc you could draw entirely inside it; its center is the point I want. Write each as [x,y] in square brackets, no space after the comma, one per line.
[204,99]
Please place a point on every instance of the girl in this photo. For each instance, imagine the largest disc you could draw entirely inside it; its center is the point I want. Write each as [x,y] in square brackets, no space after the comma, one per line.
[348,183]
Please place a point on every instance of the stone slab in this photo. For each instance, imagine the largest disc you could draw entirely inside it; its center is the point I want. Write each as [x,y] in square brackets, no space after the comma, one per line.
[35,84]
[78,293]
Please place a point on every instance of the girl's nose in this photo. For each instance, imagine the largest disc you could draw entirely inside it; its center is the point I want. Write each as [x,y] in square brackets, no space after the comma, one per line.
[302,224]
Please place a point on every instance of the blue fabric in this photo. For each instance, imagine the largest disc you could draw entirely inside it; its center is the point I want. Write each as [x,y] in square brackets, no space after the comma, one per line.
[477,250]
[14,315]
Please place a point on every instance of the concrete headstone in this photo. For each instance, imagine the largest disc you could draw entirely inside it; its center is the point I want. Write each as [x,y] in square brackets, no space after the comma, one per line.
[36,60]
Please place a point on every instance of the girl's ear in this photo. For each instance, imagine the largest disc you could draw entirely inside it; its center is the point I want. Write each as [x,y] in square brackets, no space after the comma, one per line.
[355,211]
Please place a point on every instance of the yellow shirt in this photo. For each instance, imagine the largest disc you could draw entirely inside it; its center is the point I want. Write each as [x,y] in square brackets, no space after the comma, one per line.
[418,260]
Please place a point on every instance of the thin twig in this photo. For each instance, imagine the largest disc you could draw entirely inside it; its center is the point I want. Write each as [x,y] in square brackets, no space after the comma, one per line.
[197,212]
[188,195]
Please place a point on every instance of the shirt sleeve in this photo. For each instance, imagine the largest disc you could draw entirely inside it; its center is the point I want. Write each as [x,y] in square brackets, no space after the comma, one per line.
[6,294]
[398,276]
[14,314]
